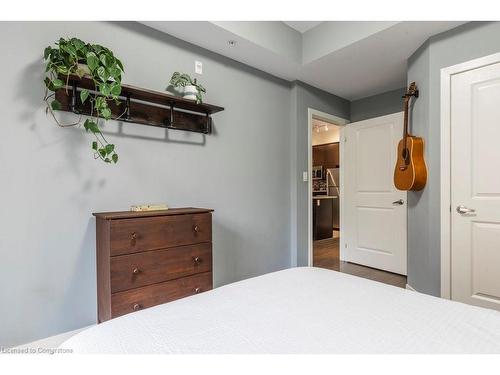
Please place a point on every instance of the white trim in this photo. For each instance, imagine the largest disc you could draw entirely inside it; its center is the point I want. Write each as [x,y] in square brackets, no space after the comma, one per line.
[446,74]
[313,113]
[409,287]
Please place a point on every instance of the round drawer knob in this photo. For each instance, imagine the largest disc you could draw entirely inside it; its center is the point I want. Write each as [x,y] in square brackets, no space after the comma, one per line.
[136,271]
[133,236]
[196,228]
[197,290]
[196,260]
[136,306]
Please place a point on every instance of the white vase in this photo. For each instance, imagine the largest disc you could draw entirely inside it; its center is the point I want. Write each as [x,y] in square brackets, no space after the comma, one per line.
[190,92]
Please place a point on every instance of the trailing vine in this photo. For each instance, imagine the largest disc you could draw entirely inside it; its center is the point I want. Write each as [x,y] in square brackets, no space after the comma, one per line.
[75,57]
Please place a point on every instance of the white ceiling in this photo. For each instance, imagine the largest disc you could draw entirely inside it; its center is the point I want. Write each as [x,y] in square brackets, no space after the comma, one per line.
[302,26]
[351,59]
[324,132]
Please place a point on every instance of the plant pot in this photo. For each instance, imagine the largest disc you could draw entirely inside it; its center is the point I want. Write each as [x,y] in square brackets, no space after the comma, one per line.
[83,70]
[190,92]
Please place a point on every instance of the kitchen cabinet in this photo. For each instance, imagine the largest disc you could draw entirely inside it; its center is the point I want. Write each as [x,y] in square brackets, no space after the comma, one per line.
[322,218]
[326,155]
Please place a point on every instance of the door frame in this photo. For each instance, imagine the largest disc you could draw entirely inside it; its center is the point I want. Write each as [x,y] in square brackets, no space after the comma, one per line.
[446,75]
[335,120]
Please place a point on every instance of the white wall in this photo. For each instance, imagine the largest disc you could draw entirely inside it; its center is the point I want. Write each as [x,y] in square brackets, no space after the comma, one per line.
[51,184]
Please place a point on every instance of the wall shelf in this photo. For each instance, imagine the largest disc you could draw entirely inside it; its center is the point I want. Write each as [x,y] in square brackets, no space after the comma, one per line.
[142,106]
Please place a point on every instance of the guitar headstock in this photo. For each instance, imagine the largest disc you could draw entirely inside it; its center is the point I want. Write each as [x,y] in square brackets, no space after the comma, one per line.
[412,91]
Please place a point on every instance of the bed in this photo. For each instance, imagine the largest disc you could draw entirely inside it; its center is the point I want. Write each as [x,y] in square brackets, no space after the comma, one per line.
[299,310]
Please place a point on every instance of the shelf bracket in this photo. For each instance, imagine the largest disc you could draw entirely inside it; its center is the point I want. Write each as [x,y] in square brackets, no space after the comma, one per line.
[127,107]
[73,98]
[171,119]
[208,127]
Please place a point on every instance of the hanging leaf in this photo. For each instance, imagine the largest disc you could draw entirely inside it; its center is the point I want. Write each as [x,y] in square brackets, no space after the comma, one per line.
[105,89]
[84,94]
[101,72]
[109,148]
[55,105]
[46,53]
[106,113]
[102,152]
[116,89]
[115,158]
[91,126]
[92,61]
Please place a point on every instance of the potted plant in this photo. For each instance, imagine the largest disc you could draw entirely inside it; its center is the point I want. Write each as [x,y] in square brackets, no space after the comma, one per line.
[98,63]
[192,89]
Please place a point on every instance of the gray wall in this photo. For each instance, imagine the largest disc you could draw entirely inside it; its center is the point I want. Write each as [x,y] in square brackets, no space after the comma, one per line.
[421,258]
[461,44]
[377,105]
[51,184]
[304,97]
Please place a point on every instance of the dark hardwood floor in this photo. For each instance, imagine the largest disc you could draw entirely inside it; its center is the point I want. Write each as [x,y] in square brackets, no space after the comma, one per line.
[326,255]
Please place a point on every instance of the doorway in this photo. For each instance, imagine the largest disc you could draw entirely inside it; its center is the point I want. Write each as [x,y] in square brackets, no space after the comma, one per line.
[324,213]
[330,161]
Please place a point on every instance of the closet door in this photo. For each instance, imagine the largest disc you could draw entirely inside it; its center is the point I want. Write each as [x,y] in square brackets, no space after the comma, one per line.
[475,186]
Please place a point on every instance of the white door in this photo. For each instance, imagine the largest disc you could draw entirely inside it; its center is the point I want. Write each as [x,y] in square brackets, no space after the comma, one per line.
[374,212]
[475,186]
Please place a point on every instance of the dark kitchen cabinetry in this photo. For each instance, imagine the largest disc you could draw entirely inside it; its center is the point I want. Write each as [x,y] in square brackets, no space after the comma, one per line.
[322,218]
[326,155]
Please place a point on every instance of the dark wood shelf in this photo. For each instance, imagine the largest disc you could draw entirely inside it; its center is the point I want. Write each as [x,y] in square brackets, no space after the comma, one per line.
[143,106]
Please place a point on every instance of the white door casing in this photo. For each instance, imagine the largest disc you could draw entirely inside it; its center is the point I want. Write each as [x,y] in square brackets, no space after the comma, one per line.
[375,223]
[475,185]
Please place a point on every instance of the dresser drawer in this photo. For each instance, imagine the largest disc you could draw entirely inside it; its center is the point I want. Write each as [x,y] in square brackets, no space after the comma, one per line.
[149,233]
[141,298]
[150,267]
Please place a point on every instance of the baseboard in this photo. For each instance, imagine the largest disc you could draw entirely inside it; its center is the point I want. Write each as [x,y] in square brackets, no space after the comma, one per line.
[409,287]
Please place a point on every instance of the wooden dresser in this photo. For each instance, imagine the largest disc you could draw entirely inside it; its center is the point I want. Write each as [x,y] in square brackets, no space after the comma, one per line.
[149,258]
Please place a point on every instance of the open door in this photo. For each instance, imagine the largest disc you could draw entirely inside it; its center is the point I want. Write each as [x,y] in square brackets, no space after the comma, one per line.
[374,211]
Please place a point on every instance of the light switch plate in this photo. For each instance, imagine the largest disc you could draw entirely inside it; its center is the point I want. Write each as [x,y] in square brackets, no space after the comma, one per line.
[198,67]
[305,176]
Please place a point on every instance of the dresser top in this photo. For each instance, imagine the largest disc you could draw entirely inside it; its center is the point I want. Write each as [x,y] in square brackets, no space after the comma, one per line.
[135,214]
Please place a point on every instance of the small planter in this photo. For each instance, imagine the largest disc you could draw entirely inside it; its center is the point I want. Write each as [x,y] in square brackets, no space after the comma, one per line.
[192,89]
[190,92]
[83,70]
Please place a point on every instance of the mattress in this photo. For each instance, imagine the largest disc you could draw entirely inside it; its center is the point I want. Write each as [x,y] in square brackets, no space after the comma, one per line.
[299,310]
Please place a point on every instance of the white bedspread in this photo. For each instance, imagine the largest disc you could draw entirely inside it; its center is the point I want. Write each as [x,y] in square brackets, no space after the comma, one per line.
[299,310]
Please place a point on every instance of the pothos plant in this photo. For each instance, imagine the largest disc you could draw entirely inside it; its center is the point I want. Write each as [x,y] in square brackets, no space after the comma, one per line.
[183,80]
[75,57]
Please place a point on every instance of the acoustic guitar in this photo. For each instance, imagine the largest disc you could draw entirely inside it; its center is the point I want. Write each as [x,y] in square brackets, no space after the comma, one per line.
[410,172]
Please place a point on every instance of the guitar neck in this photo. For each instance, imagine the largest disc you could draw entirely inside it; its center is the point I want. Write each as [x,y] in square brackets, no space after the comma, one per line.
[412,91]
[405,129]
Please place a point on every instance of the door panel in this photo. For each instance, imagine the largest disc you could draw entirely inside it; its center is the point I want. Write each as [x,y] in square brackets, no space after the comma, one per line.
[485,261]
[375,227]
[475,184]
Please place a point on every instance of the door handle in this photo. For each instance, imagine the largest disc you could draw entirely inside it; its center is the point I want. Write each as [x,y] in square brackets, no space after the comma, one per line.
[399,202]
[462,210]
